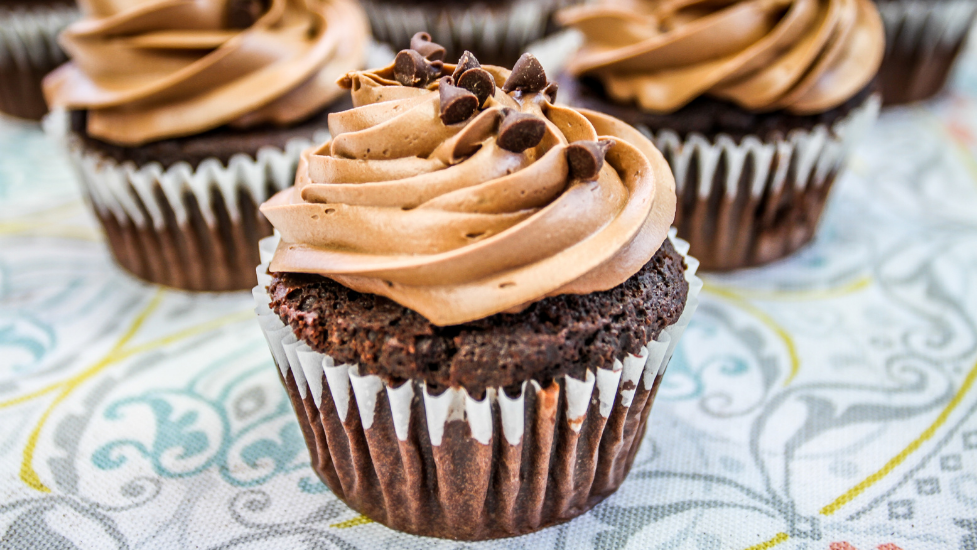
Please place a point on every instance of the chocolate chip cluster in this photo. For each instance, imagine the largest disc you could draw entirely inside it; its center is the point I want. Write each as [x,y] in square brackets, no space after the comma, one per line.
[469,87]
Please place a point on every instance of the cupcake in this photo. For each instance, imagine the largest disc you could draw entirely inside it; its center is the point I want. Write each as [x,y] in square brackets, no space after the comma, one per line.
[498,31]
[923,39]
[181,119]
[29,50]
[755,104]
[473,298]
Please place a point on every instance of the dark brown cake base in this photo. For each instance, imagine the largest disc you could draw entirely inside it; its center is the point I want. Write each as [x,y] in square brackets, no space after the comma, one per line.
[565,334]
[705,115]
[729,225]
[465,490]
[220,143]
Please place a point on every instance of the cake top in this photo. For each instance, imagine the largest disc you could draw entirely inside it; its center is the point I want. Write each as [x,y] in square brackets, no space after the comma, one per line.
[803,56]
[154,69]
[461,191]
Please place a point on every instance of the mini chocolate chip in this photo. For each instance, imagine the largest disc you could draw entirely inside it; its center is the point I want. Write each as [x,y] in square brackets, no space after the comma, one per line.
[422,44]
[550,91]
[479,82]
[241,14]
[586,158]
[520,131]
[457,104]
[527,75]
[465,62]
[411,69]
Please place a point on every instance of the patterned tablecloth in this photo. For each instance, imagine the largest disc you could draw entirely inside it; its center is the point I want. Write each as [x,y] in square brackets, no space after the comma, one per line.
[826,402]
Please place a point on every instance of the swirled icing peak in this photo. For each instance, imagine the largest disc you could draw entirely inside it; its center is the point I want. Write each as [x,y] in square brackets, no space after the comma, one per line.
[804,56]
[459,199]
[153,69]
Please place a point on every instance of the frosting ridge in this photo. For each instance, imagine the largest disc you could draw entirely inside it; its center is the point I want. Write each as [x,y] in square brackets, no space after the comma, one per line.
[520,200]
[159,69]
[803,56]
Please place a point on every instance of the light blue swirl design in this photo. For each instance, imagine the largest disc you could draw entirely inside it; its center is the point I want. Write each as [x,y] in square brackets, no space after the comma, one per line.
[24,341]
[243,454]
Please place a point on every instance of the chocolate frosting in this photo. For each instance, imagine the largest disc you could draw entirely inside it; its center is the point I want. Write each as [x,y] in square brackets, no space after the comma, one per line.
[804,56]
[150,70]
[521,200]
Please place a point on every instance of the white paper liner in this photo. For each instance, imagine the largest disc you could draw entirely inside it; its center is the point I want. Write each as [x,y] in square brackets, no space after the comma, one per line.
[806,156]
[924,25]
[29,37]
[476,27]
[455,404]
[117,189]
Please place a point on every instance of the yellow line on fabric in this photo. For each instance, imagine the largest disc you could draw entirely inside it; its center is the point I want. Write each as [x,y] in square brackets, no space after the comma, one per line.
[768,321]
[779,538]
[795,295]
[359,520]
[118,353]
[27,473]
[927,434]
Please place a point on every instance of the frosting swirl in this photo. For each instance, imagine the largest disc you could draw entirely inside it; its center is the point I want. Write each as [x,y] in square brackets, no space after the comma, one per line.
[803,56]
[462,219]
[157,69]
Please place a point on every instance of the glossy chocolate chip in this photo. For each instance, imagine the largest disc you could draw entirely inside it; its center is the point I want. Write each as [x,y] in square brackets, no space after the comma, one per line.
[411,69]
[479,82]
[520,131]
[527,75]
[422,44]
[586,158]
[457,103]
[550,91]
[466,62]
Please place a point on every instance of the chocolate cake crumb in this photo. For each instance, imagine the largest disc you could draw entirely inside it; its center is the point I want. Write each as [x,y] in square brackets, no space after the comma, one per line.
[564,334]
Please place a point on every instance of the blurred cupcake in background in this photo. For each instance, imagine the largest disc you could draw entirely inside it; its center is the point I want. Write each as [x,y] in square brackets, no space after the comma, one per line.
[923,39]
[497,32]
[182,117]
[29,50]
[755,104]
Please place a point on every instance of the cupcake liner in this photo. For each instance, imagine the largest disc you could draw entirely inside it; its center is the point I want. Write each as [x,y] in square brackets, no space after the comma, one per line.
[195,229]
[453,466]
[28,51]
[751,202]
[494,32]
[923,38]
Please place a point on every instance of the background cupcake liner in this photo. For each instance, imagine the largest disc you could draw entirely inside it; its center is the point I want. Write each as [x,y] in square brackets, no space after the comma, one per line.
[750,202]
[923,38]
[496,32]
[195,229]
[452,466]
[28,51]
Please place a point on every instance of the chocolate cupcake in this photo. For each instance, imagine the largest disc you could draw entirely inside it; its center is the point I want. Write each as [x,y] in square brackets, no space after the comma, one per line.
[474,298]
[497,31]
[922,41]
[181,119]
[29,50]
[755,104]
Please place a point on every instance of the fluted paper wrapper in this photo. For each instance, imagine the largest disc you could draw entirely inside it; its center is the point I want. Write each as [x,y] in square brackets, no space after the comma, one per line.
[751,202]
[496,32]
[455,467]
[922,41]
[194,229]
[28,51]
